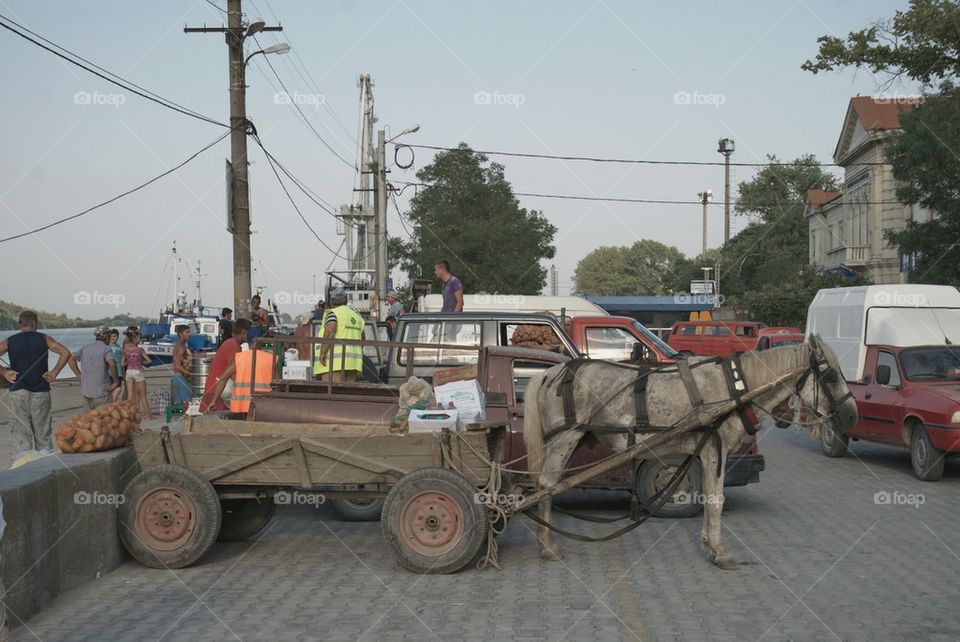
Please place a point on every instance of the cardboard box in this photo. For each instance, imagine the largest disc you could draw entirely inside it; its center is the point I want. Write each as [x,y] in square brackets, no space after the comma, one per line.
[296,369]
[466,397]
[461,373]
[432,420]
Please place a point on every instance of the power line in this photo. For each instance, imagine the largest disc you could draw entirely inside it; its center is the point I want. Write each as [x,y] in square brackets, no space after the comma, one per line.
[119,196]
[122,83]
[635,161]
[293,103]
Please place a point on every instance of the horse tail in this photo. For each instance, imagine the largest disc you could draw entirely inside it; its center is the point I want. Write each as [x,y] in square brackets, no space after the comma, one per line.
[532,426]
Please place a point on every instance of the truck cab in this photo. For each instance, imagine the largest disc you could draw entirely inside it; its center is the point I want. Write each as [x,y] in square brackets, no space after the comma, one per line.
[616,338]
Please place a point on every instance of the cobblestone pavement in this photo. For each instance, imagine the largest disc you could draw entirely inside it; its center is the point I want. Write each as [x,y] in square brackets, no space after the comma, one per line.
[820,559]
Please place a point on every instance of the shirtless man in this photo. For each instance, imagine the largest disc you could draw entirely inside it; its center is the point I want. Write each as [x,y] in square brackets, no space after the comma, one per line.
[182,358]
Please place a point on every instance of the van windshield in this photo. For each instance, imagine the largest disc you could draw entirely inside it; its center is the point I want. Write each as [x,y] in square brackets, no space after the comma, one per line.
[667,351]
[940,363]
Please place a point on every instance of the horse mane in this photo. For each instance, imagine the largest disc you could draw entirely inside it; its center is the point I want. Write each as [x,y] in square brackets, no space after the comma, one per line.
[760,367]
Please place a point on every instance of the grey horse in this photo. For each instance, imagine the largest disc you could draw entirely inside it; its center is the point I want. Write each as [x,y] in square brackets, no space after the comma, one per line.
[603,395]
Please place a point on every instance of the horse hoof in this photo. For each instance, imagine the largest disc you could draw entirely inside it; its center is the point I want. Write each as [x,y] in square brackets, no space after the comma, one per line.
[726,563]
[551,555]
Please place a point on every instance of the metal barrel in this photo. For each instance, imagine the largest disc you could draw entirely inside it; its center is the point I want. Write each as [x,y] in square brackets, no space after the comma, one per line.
[199,371]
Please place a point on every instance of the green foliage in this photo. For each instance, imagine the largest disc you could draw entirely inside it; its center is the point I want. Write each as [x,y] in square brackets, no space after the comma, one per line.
[920,43]
[468,215]
[10,312]
[928,170]
[644,268]
[786,303]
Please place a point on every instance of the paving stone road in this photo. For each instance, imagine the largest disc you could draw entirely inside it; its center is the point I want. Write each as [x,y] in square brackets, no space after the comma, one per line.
[820,560]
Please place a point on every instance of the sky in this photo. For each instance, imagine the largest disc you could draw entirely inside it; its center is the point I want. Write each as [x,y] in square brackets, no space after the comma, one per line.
[603,78]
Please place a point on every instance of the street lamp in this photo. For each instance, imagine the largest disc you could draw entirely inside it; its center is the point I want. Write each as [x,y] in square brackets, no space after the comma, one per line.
[279,48]
[408,130]
[256,26]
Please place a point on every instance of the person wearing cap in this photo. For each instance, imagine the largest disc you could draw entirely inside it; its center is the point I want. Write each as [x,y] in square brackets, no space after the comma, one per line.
[98,369]
[29,376]
[396,308]
[339,361]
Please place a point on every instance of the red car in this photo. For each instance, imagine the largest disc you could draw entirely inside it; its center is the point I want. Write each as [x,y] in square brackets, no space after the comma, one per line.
[908,397]
[714,338]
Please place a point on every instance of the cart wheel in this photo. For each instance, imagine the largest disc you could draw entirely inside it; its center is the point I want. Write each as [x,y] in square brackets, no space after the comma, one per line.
[431,521]
[244,518]
[358,510]
[170,516]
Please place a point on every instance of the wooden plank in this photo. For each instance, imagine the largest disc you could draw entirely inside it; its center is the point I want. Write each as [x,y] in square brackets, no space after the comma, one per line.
[345,455]
[176,449]
[215,426]
[254,457]
[301,460]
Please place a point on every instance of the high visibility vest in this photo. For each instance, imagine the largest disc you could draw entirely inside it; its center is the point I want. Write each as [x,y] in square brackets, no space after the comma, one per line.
[246,382]
[341,356]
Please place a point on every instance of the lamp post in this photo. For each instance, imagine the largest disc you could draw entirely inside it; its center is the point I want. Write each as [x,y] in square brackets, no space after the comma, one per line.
[725,147]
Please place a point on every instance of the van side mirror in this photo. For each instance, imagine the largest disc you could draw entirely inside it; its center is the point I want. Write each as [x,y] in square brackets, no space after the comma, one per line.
[883,375]
[637,353]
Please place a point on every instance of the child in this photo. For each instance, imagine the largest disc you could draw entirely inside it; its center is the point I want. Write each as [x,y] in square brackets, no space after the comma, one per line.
[117,356]
[134,359]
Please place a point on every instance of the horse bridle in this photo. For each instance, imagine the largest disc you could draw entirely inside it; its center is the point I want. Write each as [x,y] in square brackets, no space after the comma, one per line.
[824,379]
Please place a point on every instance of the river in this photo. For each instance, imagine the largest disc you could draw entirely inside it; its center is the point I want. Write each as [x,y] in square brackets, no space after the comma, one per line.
[72,338]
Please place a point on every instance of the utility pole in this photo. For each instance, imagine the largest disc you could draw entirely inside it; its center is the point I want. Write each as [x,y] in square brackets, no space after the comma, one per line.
[705,197]
[380,217]
[236,32]
[725,147]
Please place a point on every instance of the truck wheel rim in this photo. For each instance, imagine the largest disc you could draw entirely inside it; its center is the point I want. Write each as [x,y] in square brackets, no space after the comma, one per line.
[166,518]
[921,452]
[662,478]
[828,435]
[431,523]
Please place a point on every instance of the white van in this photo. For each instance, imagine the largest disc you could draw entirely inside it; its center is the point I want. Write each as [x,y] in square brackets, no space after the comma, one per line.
[572,306]
[851,319]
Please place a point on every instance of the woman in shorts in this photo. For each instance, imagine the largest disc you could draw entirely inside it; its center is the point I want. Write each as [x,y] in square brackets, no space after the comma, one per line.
[134,359]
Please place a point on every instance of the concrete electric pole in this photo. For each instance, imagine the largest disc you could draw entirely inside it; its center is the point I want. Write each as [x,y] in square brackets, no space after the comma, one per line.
[236,33]
[705,197]
[725,147]
[380,216]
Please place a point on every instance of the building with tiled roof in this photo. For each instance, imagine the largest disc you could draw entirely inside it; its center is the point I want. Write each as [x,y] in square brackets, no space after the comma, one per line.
[846,227]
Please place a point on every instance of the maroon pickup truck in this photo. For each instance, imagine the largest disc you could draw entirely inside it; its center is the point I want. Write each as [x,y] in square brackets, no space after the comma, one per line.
[908,397]
[504,373]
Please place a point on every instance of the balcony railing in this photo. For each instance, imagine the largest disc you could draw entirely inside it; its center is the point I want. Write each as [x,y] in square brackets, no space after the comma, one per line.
[851,255]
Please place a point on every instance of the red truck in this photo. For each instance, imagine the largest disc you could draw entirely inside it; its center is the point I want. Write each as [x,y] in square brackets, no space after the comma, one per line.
[897,350]
[618,339]
[503,374]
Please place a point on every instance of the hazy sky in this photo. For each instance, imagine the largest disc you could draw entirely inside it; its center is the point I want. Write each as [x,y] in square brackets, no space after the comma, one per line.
[575,78]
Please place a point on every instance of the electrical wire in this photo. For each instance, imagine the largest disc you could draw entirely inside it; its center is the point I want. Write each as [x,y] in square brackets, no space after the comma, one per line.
[217,7]
[294,104]
[119,196]
[121,82]
[635,161]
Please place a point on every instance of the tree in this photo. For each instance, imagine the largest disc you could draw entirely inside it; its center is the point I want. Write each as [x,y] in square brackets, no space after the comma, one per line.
[468,215]
[928,173]
[920,43]
[644,268]
[787,303]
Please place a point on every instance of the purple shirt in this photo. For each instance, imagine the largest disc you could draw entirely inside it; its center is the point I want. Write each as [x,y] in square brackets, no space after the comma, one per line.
[450,287]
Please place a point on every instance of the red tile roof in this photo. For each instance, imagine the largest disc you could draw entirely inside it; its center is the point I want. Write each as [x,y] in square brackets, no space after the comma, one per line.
[819,197]
[881,113]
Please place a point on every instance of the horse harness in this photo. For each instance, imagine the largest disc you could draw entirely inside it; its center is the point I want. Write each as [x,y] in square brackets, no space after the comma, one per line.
[823,378]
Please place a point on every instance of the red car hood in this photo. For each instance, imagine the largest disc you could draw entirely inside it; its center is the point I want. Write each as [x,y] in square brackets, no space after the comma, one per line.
[949,391]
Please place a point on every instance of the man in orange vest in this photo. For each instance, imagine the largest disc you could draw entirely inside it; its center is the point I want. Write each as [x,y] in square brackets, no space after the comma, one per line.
[246,381]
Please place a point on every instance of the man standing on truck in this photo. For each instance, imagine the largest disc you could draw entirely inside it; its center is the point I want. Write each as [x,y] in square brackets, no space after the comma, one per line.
[340,362]
[452,287]
[225,356]
[248,377]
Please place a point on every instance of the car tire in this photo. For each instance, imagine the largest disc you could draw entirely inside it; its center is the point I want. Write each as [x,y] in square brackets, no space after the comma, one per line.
[832,442]
[654,474]
[928,462]
[358,510]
